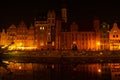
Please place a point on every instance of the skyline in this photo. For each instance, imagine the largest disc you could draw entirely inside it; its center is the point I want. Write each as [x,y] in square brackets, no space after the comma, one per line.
[14,12]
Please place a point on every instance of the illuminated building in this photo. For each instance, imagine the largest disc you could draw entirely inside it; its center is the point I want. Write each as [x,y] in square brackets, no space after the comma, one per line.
[22,37]
[55,31]
[85,37]
[114,37]
[3,37]
[45,31]
[52,32]
[104,36]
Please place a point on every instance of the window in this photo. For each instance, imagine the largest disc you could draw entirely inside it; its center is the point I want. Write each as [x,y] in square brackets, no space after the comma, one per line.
[114,36]
[115,31]
[86,34]
[49,33]
[53,21]
[103,26]
[41,28]
[41,37]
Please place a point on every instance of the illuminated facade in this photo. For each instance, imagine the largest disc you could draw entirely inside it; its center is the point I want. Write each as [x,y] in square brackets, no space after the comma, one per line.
[56,32]
[84,40]
[45,31]
[104,36]
[22,37]
[114,37]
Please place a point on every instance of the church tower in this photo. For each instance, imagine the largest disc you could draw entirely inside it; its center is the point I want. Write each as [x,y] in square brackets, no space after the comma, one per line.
[96,25]
[51,17]
[64,13]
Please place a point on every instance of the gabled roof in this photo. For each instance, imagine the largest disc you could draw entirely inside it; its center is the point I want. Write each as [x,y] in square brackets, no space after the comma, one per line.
[12,26]
[115,27]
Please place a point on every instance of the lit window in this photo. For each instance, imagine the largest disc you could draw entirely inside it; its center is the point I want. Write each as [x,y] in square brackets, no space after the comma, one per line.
[40,28]
[115,31]
[103,26]
[41,44]
[53,43]
[49,33]
[43,28]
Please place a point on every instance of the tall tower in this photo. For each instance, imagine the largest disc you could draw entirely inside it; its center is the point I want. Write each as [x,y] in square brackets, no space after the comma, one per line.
[64,13]
[51,29]
[51,17]
[96,25]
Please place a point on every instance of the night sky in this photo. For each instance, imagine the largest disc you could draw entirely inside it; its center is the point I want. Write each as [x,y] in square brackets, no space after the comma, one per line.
[79,10]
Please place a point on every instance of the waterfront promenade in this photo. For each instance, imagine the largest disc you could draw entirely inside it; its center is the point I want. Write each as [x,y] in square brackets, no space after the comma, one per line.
[64,56]
[60,56]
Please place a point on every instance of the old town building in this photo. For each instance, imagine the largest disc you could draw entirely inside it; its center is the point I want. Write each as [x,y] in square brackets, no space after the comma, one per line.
[55,31]
[104,36]
[114,37]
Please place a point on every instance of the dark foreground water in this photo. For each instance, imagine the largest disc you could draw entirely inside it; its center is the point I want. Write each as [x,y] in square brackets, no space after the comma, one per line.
[59,71]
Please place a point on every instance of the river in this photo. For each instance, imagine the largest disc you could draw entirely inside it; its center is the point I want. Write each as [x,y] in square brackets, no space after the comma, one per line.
[59,71]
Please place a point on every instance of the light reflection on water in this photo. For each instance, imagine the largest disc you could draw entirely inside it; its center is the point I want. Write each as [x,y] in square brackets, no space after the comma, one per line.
[42,71]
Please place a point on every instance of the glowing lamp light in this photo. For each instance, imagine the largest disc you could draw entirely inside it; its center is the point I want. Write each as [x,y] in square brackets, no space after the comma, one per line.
[19,44]
[119,47]
[99,70]
[53,43]
[41,44]
[19,67]
[74,42]
[98,43]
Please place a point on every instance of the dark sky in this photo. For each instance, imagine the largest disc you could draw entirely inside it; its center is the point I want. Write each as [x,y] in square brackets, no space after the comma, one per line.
[14,11]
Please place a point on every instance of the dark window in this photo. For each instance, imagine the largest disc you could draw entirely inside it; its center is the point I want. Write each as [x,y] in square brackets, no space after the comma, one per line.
[114,36]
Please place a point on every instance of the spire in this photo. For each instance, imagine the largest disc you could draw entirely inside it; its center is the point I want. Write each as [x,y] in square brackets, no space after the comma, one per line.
[64,13]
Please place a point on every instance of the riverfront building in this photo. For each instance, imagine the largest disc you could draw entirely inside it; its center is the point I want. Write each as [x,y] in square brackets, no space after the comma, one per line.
[57,32]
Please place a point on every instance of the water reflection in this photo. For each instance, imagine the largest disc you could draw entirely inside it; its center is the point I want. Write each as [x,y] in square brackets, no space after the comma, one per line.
[42,71]
[4,64]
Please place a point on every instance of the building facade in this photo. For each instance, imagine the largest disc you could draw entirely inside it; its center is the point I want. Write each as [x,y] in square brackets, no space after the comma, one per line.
[56,32]
[114,37]
[104,36]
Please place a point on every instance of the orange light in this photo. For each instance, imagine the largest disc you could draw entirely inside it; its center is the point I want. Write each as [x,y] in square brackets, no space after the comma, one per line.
[74,42]
[98,43]
[99,70]
[19,67]
[53,43]
[41,44]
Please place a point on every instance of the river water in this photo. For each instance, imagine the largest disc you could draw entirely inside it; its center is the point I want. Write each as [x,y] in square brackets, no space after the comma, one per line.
[59,71]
